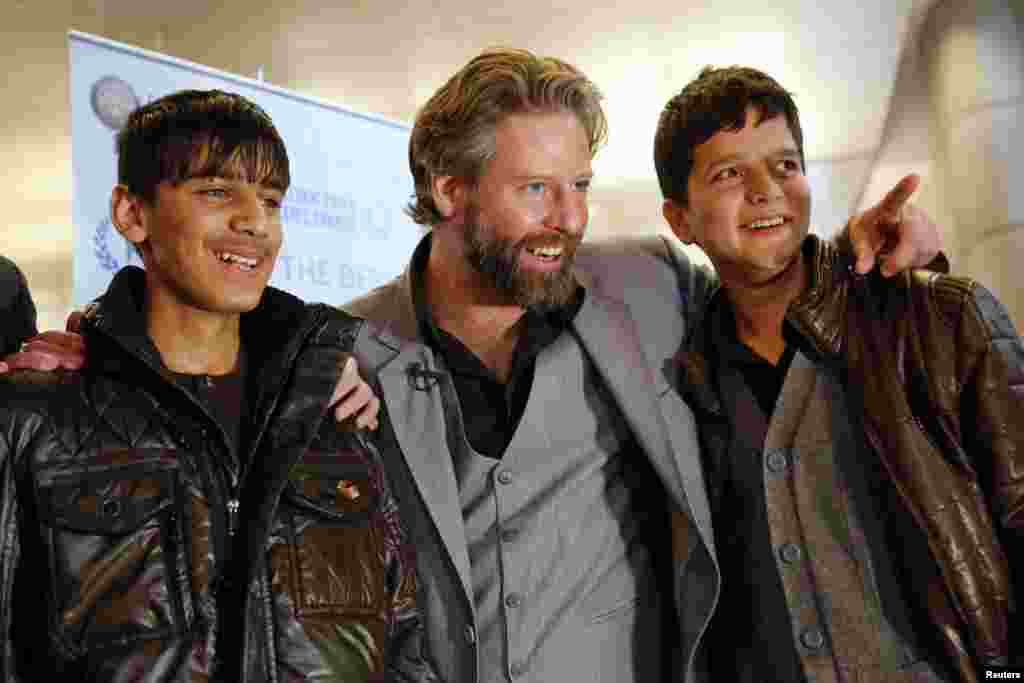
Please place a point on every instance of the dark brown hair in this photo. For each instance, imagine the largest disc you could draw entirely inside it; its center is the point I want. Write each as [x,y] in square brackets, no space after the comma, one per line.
[194,133]
[716,100]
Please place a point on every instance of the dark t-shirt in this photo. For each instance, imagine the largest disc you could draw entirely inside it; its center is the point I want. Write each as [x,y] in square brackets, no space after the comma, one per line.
[224,396]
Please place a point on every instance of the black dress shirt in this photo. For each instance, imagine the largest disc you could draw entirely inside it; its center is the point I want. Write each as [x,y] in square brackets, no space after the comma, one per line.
[491,410]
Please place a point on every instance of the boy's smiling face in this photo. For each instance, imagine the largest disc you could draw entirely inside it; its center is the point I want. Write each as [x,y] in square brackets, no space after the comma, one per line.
[748,200]
[209,243]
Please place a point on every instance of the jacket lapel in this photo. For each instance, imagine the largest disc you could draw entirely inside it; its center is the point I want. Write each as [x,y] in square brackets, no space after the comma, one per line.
[662,423]
[416,411]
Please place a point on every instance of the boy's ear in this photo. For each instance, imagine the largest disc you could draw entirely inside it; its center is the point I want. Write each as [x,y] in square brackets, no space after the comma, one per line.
[127,213]
[449,194]
[675,216]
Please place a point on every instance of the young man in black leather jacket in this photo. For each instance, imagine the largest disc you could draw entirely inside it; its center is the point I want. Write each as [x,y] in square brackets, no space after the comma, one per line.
[185,508]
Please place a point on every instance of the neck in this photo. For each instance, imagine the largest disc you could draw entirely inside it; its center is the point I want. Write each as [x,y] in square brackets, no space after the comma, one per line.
[760,307]
[464,304]
[191,341]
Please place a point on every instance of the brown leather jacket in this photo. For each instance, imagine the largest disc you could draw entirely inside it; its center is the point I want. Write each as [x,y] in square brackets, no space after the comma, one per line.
[938,369]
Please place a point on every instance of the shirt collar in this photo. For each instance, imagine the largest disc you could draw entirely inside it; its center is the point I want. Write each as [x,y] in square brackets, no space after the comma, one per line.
[722,330]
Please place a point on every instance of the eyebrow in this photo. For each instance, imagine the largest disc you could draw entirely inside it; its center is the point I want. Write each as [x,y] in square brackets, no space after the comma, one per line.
[784,152]
[520,178]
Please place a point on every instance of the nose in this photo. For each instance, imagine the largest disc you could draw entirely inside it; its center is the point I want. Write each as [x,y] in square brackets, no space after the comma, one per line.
[569,212]
[762,186]
[251,215]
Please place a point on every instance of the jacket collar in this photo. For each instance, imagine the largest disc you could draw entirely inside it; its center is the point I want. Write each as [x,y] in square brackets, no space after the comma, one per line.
[119,315]
[818,315]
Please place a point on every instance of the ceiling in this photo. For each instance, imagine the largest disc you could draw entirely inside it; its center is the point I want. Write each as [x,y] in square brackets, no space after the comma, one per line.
[838,58]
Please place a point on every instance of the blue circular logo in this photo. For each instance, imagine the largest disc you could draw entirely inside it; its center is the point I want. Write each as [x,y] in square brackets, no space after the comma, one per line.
[113,99]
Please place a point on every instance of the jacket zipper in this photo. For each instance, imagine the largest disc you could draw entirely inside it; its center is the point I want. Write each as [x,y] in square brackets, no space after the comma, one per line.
[233,512]
[236,480]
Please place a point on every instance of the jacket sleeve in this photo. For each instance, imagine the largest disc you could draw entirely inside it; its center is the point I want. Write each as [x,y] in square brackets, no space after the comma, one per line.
[697,281]
[407,659]
[993,419]
[10,547]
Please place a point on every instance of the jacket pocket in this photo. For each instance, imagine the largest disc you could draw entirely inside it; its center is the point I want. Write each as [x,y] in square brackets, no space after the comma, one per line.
[115,537]
[328,562]
[332,556]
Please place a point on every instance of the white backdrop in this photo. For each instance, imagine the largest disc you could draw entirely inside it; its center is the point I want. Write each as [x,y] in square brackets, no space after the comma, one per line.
[344,227]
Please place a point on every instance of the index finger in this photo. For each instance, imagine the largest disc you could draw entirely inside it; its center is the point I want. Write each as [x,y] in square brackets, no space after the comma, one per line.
[894,200]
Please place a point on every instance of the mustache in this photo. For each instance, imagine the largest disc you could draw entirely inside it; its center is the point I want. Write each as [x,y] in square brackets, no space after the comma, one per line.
[550,239]
[249,248]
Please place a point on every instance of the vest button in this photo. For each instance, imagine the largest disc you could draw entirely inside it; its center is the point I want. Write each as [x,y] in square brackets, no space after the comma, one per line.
[513,600]
[505,477]
[470,634]
[517,670]
[790,553]
[777,461]
[509,535]
[812,638]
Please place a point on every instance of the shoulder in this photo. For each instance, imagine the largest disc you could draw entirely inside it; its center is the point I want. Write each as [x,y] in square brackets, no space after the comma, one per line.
[655,254]
[954,296]
[970,313]
[616,251]
[379,302]
[8,269]
[649,271]
[338,328]
[12,280]
[35,396]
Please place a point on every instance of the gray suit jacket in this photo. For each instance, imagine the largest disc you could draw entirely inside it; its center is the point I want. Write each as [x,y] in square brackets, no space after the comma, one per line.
[640,295]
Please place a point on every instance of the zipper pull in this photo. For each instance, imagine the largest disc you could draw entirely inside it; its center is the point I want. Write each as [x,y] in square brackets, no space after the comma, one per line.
[232,516]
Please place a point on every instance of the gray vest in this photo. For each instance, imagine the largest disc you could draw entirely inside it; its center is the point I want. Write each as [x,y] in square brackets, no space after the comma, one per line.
[562,581]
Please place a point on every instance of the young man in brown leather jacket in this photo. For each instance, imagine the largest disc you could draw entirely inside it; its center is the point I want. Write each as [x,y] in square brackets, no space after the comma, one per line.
[184,507]
[863,438]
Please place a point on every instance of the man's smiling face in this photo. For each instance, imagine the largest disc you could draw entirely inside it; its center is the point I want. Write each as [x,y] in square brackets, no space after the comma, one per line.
[528,210]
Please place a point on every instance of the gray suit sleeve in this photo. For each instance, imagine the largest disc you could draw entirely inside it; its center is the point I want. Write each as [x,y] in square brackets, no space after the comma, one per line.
[696,281]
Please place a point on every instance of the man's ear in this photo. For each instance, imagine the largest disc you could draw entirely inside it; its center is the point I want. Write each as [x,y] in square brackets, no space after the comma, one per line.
[675,216]
[127,213]
[449,194]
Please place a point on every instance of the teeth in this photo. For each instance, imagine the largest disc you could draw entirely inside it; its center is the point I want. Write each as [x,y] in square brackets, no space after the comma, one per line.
[546,251]
[245,262]
[768,223]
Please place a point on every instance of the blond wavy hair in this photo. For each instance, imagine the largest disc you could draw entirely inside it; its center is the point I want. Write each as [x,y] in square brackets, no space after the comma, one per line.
[454,131]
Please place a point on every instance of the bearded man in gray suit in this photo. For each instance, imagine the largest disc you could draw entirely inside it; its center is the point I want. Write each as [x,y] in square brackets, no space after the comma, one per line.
[546,452]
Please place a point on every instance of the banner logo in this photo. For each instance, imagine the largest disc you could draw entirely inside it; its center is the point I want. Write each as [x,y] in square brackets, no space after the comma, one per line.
[101,247]
[113,99]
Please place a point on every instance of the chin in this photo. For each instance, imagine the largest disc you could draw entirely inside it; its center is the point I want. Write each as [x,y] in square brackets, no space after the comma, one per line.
[237,305]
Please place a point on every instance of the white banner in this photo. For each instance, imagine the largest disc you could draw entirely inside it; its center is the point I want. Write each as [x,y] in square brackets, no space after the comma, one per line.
[345,231]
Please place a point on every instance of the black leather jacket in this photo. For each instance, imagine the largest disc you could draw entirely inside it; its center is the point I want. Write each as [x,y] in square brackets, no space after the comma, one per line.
[135,547]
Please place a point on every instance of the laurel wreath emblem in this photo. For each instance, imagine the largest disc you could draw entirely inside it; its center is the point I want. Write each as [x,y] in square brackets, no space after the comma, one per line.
[101,247]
